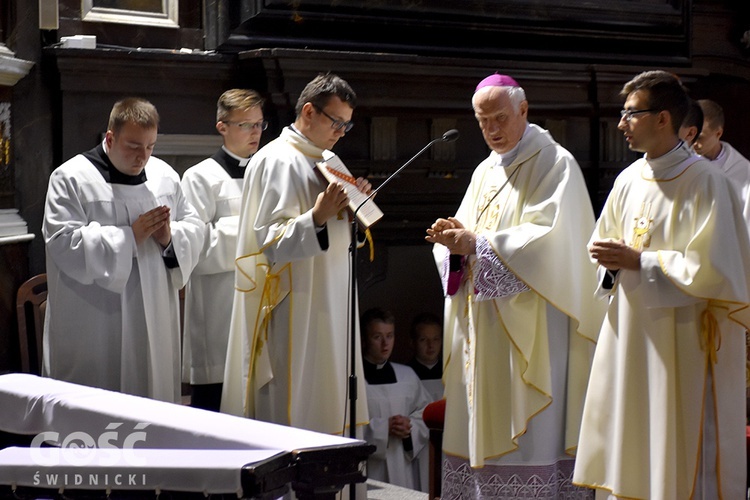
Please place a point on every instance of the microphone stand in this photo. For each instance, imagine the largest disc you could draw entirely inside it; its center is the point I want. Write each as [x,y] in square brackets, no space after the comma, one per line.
[449,136]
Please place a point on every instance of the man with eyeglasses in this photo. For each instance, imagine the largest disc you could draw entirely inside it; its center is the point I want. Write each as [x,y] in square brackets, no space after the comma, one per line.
[288,354]
[664,416]
[214,188]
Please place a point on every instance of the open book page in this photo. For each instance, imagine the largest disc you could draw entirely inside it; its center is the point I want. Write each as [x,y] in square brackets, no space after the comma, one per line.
[334,170]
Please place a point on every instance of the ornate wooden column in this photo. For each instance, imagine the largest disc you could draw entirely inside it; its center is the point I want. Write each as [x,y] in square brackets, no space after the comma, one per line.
[14,248]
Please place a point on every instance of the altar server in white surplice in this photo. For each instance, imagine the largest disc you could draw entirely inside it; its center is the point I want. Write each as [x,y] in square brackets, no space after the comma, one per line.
[427,343]
[121,241]
[214,188]
[665,410]
[721,153]
[521,320]
[395,400]
[288,358]
[426,337]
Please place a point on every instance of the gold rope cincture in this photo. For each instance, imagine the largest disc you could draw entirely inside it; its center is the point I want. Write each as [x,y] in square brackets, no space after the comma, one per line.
[260,334]
[368,237]
[710,335]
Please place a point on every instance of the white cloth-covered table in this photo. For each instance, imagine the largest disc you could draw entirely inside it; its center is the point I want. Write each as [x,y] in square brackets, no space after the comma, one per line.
[206,471]
[30,405]
[70,414]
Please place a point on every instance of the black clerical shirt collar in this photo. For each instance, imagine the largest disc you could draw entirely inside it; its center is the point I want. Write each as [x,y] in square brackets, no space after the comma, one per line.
[379,374]
[425,372]
[233,164]
[104,165]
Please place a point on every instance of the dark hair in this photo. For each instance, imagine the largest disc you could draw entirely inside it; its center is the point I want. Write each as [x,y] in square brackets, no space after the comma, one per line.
[664,93]
[425,318]
[694,118]
[375,314]
[320,90]
[712,113]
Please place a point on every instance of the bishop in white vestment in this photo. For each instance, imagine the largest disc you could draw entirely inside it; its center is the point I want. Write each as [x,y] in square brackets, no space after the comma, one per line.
[520,319]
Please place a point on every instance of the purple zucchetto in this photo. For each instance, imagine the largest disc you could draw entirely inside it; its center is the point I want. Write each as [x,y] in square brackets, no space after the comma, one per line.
[497,80]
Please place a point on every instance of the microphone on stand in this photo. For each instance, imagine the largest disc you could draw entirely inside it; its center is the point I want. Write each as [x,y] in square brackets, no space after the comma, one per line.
[449,136]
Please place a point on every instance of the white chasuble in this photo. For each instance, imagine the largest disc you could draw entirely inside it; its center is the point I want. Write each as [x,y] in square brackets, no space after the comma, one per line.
[288,355]
[672,345]
[113,307]
[216,197]
[518,365]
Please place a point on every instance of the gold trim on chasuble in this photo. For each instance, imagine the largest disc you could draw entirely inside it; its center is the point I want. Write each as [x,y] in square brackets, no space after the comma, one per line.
[488,220]
[271,295]
[710,336]
[644,221]
[490,212]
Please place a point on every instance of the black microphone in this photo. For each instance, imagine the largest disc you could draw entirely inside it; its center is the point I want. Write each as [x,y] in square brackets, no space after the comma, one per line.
[449,136]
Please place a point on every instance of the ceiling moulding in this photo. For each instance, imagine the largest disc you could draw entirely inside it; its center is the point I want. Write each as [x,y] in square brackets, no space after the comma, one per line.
[12,69]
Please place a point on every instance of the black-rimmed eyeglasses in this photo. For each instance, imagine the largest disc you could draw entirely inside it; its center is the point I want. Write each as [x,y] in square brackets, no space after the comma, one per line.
[247,126]
[628,113]
[335,124]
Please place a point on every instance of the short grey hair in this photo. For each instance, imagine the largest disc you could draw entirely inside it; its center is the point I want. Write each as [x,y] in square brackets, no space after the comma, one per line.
[516,95]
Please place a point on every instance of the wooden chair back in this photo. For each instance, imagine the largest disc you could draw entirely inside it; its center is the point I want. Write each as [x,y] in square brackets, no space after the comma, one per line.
[31,304]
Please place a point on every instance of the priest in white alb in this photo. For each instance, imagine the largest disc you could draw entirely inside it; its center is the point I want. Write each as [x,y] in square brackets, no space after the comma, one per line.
[121,241]
[665,410]
[288,355]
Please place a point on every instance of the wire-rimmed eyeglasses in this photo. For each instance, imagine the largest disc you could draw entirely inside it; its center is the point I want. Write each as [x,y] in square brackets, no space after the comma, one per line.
[335,124]
[628,113]
[247,126]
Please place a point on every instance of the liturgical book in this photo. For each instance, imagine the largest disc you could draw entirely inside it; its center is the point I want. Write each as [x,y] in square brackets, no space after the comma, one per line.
[334,170]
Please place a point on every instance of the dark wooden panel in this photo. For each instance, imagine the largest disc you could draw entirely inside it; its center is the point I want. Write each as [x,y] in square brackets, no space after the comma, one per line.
[183,87]
[651,30]
[14,270]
